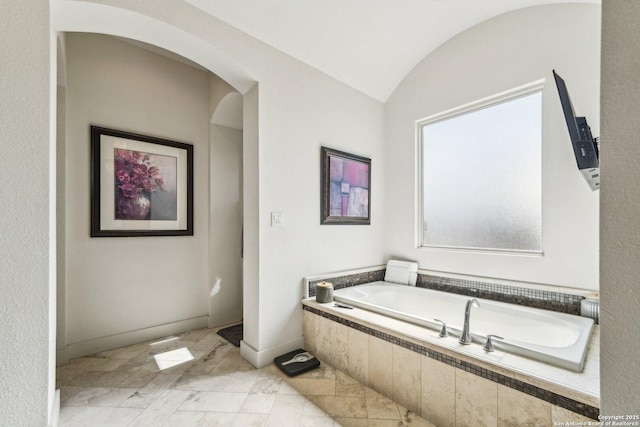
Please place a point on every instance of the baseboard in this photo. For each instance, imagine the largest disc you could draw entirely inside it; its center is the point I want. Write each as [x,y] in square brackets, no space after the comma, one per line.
[97,345]
[262,358]
[55,410]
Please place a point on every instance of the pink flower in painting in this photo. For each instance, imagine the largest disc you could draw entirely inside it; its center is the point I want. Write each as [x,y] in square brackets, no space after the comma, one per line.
[137,176]
[137,171]
[122,176]
[140,169]
[149,185]
[126,155]
[128,190]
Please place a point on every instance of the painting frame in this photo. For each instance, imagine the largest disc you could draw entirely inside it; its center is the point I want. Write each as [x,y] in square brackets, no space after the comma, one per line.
[107,218]
[345,201]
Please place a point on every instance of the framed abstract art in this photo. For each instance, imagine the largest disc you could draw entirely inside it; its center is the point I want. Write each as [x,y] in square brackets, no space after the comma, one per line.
[346,188]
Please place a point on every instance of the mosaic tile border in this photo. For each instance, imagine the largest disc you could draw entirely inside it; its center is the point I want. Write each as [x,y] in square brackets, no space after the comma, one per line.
[548,300]
[532,390]
[340,282]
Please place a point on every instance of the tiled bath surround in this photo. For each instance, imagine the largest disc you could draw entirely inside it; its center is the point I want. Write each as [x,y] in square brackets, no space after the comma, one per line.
[441,386]
[547,300]
[340,281]
[421,377]
[544,299]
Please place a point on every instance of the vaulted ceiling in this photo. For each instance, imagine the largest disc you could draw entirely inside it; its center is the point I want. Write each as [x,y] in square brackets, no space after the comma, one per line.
[370,45]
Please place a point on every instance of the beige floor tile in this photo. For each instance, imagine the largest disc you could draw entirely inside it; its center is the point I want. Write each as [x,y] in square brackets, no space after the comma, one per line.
[380,407]
[98,417]
[100,379]
[201,382]
[354,422]
[347,386]
[258,403]
[186,419]
[99,396]
[243,381]
[97,363]
[286,411]
[162,381]
[234,420]
[411,419]
[214,401]
[311,421]
[137,379]
[341,406]
[141,398]
[162,409]
[124,387]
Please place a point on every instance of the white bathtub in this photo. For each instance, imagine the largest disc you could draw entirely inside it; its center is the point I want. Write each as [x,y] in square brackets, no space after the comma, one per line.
[556,338]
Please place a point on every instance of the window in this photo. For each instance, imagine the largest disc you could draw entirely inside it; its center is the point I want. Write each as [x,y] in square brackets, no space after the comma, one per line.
[480,174]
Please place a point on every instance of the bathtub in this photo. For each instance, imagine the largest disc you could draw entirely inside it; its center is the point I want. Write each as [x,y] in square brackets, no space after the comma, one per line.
[558,339]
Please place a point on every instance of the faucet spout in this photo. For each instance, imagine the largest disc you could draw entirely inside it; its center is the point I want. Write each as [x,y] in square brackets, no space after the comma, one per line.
[465,337]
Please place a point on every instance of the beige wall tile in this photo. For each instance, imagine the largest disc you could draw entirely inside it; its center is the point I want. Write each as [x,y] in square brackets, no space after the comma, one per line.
[407,379]
[561,415]
[381,366]
[520,409]
[476,401]
[339,354]
[438,392]
[323,338]
[309,331]
[359,355]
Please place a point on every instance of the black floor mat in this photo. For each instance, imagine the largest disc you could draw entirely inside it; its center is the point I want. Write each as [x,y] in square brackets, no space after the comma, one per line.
[233,334]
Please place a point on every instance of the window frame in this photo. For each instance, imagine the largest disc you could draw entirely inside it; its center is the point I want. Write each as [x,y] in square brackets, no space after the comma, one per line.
[499,98]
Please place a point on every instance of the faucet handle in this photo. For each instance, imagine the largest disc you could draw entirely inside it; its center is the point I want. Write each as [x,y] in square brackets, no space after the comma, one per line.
[443,331]
[488,346]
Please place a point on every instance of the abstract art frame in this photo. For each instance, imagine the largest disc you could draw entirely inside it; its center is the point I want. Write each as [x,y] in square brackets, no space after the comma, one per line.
[346,188]
[140,185]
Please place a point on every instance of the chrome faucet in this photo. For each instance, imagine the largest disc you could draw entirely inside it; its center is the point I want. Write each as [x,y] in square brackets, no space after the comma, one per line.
[465,338]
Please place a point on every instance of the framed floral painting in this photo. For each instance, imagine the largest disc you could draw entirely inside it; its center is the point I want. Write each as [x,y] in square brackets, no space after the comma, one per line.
[140,185]
[346,188]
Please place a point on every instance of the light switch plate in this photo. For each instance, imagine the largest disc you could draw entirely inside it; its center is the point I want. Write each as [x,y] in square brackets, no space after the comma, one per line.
[277,219]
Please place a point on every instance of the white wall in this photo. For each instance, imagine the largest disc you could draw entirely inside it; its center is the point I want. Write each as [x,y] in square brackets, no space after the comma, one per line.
[225,204]
[620,209]
[25,88]
[225,216]
[300,109]
[500,54]
[118,285]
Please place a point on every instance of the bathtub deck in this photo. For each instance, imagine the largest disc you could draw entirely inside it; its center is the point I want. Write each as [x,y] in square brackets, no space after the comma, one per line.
[582,387]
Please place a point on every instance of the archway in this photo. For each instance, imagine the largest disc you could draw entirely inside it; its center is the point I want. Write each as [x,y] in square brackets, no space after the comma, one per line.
[101,19]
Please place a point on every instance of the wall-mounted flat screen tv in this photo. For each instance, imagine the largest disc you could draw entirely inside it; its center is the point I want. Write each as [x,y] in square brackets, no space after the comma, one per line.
[585,146]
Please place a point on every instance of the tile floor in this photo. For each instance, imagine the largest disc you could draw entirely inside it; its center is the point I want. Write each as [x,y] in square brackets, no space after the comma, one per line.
[199,379]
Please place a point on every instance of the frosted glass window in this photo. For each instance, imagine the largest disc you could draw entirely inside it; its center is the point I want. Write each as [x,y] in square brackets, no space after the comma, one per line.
[481,177]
